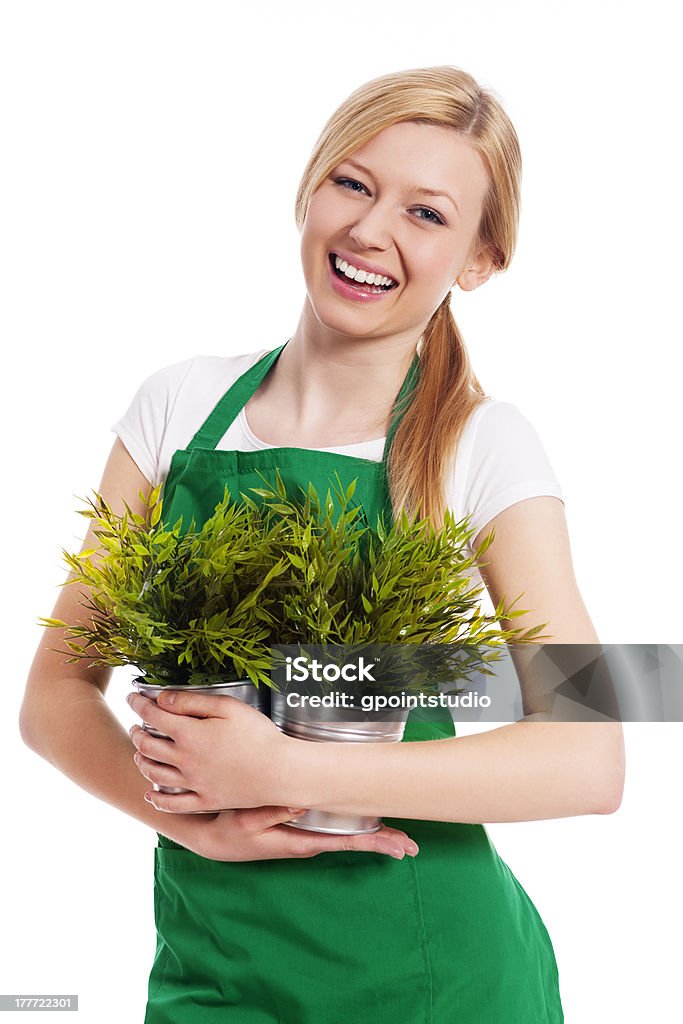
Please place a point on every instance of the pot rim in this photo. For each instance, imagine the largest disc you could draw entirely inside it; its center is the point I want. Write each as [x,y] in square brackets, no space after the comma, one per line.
[192,686]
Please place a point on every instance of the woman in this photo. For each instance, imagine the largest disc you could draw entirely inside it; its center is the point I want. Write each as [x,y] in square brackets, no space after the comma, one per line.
[412,189]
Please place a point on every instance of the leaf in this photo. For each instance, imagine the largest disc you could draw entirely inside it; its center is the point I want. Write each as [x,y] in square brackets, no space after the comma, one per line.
[282,509]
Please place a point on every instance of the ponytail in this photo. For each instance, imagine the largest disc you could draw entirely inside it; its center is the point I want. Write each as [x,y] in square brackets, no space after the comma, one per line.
[427,437]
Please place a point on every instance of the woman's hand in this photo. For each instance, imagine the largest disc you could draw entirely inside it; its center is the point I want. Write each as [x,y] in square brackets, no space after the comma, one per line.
[257,833]
[227,753]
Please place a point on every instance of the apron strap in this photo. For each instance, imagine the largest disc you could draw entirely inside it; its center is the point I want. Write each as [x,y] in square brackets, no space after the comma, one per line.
[234,399]
[402,402]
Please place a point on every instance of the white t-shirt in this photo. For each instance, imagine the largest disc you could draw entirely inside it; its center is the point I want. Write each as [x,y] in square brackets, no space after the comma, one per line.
[500,459]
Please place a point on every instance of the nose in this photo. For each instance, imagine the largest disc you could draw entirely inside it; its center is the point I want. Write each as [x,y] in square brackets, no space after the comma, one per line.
[372,230]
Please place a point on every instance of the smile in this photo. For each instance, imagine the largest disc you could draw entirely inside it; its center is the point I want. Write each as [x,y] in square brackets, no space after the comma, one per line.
[357,283]
[361,276]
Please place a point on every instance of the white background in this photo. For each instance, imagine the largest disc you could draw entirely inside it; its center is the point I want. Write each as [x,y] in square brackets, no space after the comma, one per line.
[151,154]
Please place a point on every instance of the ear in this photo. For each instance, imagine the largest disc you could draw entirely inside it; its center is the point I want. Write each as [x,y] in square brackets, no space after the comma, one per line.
[478,270]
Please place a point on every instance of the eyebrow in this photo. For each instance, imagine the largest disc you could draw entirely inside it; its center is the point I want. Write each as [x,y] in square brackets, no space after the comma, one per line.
[412,188]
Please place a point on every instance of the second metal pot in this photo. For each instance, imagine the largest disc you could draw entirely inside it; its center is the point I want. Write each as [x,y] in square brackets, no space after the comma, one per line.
[322,725]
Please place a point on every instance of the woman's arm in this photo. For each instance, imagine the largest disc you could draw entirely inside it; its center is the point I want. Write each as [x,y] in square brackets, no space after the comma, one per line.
[229,757]
[64,716]
[65,719]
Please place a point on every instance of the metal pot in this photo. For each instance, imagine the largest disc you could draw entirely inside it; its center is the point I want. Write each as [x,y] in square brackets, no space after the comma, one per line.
[243,689]
[323,724]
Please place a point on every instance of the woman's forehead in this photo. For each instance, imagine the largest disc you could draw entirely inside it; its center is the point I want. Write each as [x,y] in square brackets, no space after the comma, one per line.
[421,157]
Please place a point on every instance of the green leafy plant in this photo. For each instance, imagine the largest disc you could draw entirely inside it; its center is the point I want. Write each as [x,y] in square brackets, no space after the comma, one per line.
[194,606]
[352,584]
[183,606]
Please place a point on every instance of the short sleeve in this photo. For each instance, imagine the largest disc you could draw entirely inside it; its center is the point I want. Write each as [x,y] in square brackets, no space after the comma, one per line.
[504,462]
[142,427]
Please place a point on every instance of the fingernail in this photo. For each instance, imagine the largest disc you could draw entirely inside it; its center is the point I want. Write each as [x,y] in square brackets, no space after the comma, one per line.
[296,810]
[167,696]
[397,852]
[413,849]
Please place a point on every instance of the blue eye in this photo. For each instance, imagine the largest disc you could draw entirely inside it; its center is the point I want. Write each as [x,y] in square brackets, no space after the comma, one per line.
[425,209]
[437,219]
[350,181]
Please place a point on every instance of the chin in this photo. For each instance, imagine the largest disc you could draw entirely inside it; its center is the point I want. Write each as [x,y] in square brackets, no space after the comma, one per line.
[351,324]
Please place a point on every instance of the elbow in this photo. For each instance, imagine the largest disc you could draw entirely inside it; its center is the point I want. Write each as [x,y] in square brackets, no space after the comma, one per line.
[610,772]
[597,764]
[26,730]
[612,790]
[29,726]
[610,803]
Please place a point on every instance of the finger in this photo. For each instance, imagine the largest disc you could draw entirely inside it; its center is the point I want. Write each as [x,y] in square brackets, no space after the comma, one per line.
[258,819]
[380,842]
[175,803]
[153,747]
[385,840]
[306,843]
[198,705]
[310,844]
[404,840]
[152,715]
[373,842]
[157,773]
[165,713]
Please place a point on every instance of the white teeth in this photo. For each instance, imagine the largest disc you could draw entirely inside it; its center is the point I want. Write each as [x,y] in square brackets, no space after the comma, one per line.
[362,276]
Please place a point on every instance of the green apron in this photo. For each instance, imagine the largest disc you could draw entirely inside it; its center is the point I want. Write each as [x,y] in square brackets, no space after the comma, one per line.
[447,937]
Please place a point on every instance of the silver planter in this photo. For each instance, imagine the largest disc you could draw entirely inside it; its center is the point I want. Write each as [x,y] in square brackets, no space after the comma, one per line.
[321,725]
[242,689]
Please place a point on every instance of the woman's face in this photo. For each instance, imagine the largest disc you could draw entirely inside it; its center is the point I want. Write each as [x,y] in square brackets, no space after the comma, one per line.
[375,212]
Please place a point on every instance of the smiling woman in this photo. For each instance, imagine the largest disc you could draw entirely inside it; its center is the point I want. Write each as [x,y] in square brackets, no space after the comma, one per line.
[411,190]
[362,199]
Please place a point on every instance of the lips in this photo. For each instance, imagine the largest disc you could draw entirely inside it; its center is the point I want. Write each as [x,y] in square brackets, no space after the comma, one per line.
[355,261]
[353,292]
[362,287]
[357,286]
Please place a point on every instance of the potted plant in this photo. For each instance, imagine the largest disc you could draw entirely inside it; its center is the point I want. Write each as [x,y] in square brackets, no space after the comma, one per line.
[189,609]
[203,608]
[349,584]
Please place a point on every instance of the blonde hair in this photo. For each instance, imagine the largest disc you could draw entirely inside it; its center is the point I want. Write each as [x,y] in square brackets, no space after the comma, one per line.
[447,391]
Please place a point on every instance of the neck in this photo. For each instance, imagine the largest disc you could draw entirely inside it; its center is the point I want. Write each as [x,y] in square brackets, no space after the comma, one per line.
[324,378]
